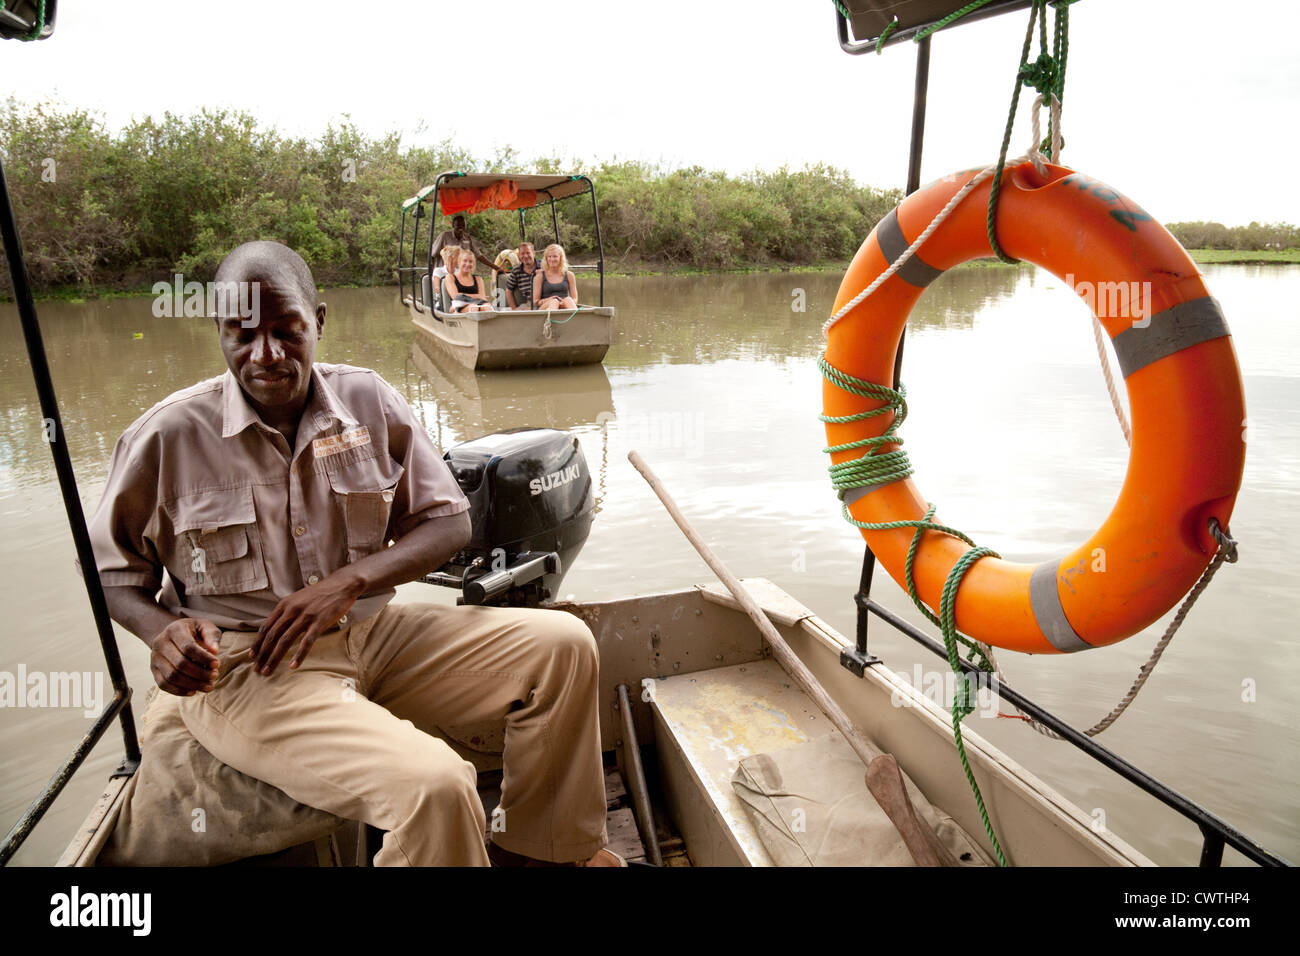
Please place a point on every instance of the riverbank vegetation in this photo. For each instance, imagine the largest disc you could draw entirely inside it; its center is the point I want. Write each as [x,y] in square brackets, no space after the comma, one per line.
[102,210]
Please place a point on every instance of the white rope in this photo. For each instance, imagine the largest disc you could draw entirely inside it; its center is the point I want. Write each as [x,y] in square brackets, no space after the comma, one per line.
[1100,339]
[911,250]
[1037,159]
[1033,155]
[1227,551]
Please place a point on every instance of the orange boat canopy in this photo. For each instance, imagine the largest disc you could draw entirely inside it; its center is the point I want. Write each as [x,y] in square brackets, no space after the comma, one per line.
[477,192]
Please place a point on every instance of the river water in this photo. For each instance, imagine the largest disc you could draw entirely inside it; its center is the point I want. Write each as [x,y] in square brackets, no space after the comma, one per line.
[714,381]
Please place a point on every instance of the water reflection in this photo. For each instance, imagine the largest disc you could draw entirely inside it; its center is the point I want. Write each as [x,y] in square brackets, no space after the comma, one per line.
[468,403]
[947,301]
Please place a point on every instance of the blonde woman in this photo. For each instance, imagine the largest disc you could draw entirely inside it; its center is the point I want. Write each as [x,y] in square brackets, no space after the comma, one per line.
[464,289]
[445,267]
[554,286]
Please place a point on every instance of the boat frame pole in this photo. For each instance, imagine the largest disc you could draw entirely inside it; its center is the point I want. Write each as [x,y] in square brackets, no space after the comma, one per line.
[857,659]
[600,245]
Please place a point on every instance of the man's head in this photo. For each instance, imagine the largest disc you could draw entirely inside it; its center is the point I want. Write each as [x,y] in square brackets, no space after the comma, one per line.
[271,356]
[458,226]
[527,256]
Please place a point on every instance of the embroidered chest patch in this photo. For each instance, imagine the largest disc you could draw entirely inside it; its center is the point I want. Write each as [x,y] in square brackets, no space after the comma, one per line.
[333,444]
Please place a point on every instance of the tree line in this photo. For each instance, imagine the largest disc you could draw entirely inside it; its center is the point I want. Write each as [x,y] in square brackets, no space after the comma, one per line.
[104,210]
[1254,237]
[99,209]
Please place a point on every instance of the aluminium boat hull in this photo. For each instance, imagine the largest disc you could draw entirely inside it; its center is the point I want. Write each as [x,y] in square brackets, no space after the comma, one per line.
[525,339]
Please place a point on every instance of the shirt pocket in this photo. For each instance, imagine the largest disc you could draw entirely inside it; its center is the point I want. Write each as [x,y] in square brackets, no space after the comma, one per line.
[365,491]
[218,547]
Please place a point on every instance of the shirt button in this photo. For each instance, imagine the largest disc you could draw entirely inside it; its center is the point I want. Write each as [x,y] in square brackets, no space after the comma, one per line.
[343,621]
[299,531]
[313,579]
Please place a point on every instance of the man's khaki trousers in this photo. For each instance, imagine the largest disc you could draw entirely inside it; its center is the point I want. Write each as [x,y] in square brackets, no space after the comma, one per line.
[348,731]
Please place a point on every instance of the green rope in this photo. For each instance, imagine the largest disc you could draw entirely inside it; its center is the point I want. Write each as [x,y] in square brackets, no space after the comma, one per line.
[996,187]
[932,28]
[955,15]
[885,34]
[562,321]
[875,468]
[1061,44]
[1041,74]
[38,26]
[1046,74]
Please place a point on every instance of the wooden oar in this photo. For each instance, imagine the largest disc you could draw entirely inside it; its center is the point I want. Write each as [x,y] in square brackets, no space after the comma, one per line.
[884,779]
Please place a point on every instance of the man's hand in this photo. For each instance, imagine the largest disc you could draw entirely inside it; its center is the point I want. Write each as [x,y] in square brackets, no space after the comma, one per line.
[183,656]
[302,617]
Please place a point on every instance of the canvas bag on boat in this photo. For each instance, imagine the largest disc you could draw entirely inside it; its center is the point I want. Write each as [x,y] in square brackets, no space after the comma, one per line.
[241,816]
[811,807]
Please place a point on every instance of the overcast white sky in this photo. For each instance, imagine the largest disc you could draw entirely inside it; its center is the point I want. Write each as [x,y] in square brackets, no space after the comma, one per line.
[1187,107]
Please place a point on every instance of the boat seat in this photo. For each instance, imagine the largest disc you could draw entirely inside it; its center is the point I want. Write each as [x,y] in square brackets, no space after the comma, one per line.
[426,289]
[755,775]
[435,296]
[183,807]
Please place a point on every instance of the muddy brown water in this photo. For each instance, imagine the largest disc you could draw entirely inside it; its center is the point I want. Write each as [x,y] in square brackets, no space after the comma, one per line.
[714,380]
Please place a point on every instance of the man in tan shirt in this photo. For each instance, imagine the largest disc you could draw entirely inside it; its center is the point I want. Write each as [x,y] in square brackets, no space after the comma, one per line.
[268,497]
[458,235]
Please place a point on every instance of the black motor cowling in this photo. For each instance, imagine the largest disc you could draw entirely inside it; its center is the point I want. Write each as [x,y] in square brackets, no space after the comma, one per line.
[530,506]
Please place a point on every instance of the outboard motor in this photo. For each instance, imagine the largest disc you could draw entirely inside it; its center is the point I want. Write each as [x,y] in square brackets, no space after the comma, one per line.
[530,507]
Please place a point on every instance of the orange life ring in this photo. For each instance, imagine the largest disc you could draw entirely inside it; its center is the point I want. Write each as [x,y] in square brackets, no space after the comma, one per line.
[1184,389]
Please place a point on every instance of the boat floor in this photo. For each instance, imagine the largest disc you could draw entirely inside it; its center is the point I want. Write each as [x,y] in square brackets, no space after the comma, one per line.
[620,820]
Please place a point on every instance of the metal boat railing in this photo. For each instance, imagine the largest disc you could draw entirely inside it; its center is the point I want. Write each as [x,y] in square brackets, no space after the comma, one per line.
[119,707]
[1215,833]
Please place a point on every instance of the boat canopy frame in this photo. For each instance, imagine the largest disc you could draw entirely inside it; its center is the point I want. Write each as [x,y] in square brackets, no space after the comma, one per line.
[873,29]
[914,18]
[550,188]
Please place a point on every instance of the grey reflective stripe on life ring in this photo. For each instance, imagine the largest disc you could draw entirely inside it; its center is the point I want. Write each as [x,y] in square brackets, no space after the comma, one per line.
[1167,332]
[1045,601]
[853,494]
[893,244]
